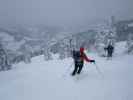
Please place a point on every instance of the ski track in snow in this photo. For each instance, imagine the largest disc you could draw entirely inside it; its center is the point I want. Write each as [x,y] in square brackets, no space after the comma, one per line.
[51,80]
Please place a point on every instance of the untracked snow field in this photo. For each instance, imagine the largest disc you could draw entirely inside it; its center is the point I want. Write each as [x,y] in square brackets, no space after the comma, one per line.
[51,80]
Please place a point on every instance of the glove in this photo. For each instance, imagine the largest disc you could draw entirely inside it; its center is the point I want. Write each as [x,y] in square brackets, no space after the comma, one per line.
[92,61]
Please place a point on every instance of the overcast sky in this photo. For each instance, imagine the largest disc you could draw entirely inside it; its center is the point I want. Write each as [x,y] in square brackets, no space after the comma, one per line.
[62,12]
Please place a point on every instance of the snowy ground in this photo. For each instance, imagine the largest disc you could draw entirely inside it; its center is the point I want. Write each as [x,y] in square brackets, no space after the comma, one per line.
[51,80]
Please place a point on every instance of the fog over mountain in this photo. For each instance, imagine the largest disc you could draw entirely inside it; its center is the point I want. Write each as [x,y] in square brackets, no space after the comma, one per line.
[64,13]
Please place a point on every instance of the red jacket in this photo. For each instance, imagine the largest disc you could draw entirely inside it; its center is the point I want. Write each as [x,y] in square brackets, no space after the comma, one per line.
[83,55]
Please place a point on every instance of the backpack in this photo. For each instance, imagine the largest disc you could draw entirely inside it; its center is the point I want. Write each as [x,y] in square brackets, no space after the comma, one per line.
[77,56]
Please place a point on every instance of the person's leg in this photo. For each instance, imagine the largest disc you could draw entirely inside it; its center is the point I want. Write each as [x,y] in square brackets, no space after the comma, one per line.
[2,67]
[108,55]
[75,69]
[80,68]
[8,66]
[110,52]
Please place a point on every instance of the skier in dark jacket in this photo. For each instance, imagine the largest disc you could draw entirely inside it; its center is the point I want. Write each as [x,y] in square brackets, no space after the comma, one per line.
[110,50]
[79,57]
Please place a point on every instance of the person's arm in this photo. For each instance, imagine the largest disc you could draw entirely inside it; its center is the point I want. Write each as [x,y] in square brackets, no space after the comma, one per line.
[87,59]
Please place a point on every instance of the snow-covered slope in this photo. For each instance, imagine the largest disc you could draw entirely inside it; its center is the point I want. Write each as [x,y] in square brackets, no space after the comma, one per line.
[51,80]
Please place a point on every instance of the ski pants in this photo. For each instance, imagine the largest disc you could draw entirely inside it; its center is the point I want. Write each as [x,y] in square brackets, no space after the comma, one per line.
[78,67]
[110,53]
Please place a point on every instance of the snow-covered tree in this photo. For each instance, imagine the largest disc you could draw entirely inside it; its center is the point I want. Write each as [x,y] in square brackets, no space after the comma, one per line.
[4,61]
[47,55]
[130,44]
[73,42]
[26,52]
[64,49]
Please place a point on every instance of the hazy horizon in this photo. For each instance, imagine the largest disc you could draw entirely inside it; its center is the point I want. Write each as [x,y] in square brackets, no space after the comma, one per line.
[62,12]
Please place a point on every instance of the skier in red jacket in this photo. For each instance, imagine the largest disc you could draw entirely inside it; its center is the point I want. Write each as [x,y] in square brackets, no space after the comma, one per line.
[79,57]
